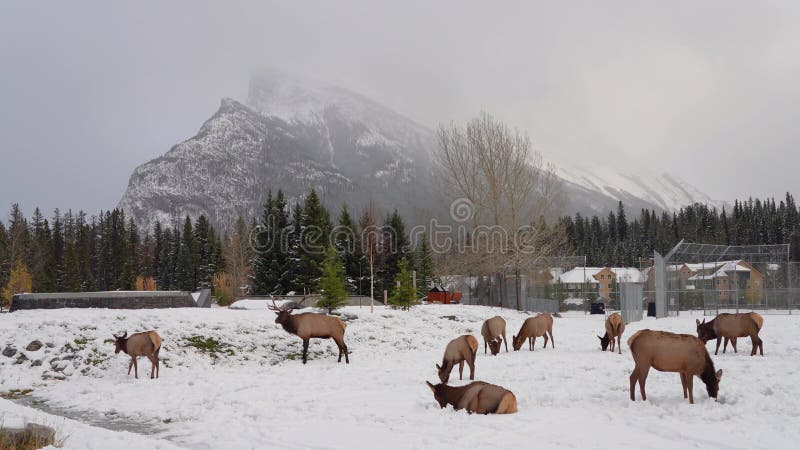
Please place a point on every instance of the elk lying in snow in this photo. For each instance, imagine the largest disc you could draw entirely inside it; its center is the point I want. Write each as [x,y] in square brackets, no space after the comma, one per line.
[476,397]
[533,327]
[670,352]
[494,333]
[614,329]
[731,326]
[759,321]
[147,344]
[460,349]
[312,325]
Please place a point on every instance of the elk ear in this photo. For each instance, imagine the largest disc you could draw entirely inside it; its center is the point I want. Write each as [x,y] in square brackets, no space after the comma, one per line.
[430,386]
[124,335]
[698,322]
[438,368]
[598,337]
[719,375]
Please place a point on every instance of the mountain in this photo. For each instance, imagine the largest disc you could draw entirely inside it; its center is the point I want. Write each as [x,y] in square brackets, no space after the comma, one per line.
[598,189]
[296,134]
[292,135]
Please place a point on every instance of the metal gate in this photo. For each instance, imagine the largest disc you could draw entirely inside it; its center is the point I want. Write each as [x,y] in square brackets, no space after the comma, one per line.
[630,301]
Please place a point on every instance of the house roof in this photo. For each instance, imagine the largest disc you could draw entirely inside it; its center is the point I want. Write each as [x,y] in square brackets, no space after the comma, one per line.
[587,275]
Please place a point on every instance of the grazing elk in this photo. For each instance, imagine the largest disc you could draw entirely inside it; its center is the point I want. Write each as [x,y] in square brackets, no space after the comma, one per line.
[494,333]
[670,352]
[311,325]
[759,321]
[533,327]
[147,343]
[460,349]
[614,329]
[731,326]
[476,397]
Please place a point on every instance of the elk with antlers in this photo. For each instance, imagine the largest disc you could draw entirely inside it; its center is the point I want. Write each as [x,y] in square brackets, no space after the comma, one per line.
[311,325]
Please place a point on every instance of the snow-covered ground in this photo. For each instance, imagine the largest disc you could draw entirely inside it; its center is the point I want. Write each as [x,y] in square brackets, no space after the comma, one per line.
[233,379]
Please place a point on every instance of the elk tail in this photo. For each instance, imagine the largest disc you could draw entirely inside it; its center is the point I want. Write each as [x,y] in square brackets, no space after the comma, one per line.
[156,340]
[618,325]
[633,338]
[508,404]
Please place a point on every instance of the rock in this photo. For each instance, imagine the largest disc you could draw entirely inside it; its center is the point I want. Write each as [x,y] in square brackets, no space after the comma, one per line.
[31,436]
[21,359]
[50,345]
[36,363]
[9,351]
[58,366]
[86,370]
[53,376]
[34,346]
[68,357]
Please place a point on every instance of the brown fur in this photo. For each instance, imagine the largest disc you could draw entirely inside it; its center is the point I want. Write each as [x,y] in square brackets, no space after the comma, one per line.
[732,326]
[476,397]
[670,352]
[313,325]
[533,327]
[147,343]
[759,321]
[461,349]
[494,332]
[614,329]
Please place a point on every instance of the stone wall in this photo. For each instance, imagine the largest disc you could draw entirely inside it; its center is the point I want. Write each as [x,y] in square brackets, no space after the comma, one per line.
[111,300]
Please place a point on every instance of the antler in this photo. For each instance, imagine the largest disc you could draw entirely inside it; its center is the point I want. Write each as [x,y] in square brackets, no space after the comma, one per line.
[274,306]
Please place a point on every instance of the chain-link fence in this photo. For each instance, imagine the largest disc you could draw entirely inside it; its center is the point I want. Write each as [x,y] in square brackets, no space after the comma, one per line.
[720,278]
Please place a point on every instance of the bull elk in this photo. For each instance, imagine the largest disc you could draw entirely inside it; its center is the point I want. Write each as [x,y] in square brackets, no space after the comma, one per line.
[147,343]
[311,325]
[670,352]
[614,329]
[460,349]
[731,326]
[494,333]
[477,397]
[533,327]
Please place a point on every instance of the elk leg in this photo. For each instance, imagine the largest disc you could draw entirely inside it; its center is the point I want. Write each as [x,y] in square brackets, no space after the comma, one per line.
[725,346]
[130,366]
[643,380]
[719,340]
[733,343]
[690,386]
[343,348]
[471,363]
[461,370]
[619,344]
[683,384]
[135,368]
[153,361]
[634,378]
[545,340]
[552,339]
[533,343]
[305,350]
[505,341]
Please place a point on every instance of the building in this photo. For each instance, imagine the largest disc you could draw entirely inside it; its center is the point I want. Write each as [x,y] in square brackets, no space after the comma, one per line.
[598,280]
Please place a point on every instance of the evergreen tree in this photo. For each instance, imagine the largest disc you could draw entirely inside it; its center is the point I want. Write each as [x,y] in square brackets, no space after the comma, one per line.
[187,259]
[404,295]
[272,256]
[396,249]
[5,263]
[424,265]
[315,228]
[350,251]
[332,287]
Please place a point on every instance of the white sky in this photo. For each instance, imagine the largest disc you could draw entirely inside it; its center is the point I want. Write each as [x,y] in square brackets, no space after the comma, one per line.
[704,90]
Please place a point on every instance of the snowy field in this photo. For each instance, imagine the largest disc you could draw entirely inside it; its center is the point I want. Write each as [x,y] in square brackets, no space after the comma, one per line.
[233,379]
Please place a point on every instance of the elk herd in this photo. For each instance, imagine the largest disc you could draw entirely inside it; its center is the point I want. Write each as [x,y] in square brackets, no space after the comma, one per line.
[661,350]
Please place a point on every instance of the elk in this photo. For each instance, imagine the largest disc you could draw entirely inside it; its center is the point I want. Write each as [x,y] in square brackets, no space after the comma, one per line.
[533,327]
[759,321]
[492,330]
[477,397]
[460,349]
[311,325]
[614,329]
[731,326]
[147,343]
[670,352]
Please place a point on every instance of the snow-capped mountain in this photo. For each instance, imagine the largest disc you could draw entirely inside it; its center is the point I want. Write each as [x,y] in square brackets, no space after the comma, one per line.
[640,188]
[291,135]
[296,134]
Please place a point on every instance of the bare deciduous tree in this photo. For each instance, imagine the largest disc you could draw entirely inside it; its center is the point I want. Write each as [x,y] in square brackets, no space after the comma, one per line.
[509,185]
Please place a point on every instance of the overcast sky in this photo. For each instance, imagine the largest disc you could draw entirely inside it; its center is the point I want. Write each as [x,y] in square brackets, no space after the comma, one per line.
[708,91]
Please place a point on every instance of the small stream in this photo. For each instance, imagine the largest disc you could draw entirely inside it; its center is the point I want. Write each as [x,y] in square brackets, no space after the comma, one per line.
[109,421]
